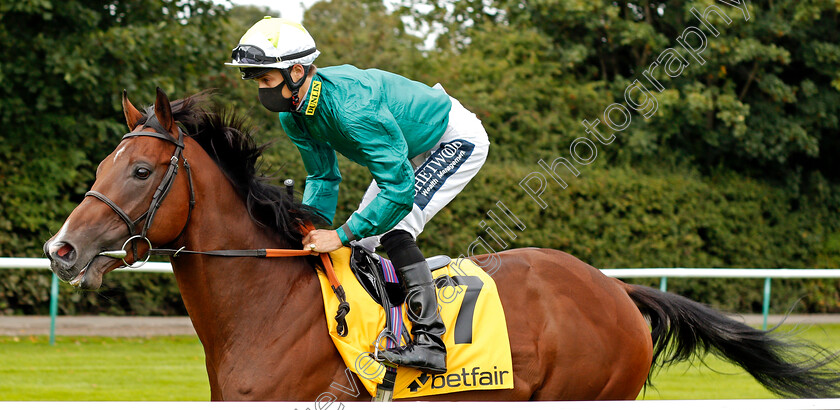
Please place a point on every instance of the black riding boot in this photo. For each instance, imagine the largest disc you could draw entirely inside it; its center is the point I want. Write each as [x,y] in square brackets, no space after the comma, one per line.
[427,352]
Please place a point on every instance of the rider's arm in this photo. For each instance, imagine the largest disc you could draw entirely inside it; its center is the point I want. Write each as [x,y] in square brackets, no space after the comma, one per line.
[383,146]
[323,177]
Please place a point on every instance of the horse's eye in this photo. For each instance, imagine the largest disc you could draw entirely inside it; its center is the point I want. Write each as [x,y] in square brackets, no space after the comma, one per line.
[142,173]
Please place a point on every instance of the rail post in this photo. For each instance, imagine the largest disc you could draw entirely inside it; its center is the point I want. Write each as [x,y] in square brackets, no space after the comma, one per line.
[663,284]
[765,309]
[53,307]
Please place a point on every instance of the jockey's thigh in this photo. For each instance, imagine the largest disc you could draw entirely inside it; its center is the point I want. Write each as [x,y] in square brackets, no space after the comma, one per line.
[441,173]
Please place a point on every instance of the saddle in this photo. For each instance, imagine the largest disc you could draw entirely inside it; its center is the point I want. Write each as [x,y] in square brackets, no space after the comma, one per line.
[377,277]
[368,269]
[477,343]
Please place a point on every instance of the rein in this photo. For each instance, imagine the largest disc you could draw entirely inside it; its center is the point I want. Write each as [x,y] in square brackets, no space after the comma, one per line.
[157,199]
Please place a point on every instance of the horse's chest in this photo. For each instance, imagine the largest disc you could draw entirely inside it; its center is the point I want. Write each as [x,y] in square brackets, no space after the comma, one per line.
[277,374]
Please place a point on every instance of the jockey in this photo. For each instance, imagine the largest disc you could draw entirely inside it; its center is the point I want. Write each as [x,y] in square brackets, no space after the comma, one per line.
[420,145]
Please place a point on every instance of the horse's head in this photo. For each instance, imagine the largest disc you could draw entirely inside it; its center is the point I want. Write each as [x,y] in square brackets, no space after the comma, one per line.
[125,208]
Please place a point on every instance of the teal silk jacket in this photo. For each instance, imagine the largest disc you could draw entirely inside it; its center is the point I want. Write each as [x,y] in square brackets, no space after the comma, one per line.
[376,119]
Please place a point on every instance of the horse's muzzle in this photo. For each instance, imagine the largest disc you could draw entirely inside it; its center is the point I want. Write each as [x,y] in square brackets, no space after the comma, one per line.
[63,257]
[79,267]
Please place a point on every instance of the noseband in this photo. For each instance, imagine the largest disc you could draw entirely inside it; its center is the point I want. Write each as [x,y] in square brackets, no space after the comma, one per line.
[157,199]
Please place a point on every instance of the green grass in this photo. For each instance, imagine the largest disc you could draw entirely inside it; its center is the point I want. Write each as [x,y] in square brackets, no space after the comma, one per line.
[100,368]
[721,380]
[172,368]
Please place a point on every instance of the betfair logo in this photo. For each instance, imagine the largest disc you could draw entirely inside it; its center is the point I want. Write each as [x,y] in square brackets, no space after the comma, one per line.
[473,378]
[313,99]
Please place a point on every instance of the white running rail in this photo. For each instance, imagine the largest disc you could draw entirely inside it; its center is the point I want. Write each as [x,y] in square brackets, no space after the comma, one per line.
[662,273]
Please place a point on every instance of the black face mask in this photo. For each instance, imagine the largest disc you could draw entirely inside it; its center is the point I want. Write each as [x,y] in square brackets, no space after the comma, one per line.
[273,100]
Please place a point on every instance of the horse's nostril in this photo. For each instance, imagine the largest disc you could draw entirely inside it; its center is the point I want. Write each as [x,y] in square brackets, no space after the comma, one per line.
[66,252]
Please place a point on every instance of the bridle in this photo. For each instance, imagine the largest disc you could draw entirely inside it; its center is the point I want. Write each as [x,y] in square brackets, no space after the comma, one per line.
[157,199]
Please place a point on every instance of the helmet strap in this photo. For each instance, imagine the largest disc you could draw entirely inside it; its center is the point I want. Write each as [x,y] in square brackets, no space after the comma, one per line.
[294,86]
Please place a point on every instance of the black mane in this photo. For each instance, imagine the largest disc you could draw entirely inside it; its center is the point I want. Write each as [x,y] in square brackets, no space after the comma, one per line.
[226,138]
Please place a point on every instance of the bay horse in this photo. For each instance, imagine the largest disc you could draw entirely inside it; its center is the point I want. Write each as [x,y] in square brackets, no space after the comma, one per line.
[575,333]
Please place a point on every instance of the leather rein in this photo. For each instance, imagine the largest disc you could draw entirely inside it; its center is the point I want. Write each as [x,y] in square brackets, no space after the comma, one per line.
[157,199]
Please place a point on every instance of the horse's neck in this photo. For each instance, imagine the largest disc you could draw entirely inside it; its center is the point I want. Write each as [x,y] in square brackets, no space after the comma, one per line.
[232,301]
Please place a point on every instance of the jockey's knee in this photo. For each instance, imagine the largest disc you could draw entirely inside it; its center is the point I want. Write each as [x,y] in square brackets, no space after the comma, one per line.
[401,248]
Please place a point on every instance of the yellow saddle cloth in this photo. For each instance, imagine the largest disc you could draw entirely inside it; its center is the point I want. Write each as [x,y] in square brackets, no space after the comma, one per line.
[476,338]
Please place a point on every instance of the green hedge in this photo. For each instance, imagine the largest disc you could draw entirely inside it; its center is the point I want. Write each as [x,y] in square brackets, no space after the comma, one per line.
[616,217]
[764,106]
[624,218]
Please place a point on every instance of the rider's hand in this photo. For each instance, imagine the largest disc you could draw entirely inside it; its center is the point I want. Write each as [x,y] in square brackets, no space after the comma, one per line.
[325,241]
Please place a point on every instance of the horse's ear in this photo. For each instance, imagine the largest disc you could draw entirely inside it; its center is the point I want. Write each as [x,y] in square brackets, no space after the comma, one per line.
[163,112]
[132,115]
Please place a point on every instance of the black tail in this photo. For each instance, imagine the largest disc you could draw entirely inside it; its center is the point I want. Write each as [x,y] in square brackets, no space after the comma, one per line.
[682,329]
